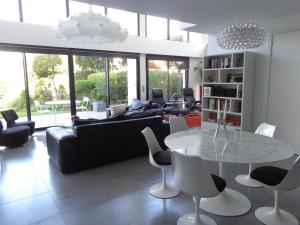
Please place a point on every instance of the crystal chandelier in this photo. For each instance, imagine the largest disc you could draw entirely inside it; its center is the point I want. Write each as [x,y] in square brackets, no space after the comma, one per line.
[91,28]
[241,36]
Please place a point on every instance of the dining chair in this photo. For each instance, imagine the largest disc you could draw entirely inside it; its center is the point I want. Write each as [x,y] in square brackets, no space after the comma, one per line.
[264,129]
[278,180]
[177,124]
[200,184]
[160,159]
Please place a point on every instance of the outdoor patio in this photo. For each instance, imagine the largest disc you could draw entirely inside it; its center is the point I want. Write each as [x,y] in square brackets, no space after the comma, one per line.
[61,119]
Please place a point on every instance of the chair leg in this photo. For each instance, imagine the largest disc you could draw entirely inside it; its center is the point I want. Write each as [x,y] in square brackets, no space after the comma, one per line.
[275,215]
[195,218]
[163,190]
[247,180]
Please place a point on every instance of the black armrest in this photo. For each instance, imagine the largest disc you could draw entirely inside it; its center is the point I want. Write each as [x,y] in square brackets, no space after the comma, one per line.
[63,149]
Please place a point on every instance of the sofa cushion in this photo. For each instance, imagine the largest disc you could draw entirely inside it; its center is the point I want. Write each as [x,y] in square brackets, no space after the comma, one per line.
[1,126]
[118,109]
[138,105]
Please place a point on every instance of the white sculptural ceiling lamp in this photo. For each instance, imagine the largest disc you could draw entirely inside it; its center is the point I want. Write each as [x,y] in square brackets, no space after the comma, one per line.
[91,28]
[241,35]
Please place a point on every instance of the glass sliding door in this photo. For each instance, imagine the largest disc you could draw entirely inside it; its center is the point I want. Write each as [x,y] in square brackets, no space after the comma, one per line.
[177,76]
[122,80]
[48,84]
[158,76]
[169,74]
[90,86]
[12,85]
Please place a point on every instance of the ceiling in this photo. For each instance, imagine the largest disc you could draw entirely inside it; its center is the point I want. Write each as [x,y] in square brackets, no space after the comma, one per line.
[209,15]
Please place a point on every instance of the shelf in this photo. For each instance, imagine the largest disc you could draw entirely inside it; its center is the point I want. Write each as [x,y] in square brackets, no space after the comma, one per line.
[229,68]
[222,83]
[231,113]
[222,97]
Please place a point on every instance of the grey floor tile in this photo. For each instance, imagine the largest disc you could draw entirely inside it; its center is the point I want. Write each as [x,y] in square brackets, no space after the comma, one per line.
[57,220]
[28,211]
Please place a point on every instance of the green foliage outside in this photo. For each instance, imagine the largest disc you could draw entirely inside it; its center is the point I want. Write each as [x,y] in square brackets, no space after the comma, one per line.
[47,66]
[42,92]
[159,79]
[94,87]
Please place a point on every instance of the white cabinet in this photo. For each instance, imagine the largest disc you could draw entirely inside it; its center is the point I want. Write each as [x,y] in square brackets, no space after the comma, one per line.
[229,77]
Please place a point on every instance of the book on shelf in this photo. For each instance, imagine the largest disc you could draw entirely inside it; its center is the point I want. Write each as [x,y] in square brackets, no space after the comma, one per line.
[220,62]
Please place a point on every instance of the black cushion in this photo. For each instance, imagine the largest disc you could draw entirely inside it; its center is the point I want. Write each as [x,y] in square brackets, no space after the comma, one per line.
[1,125]
[269,175]
[188,92]
[219,182]
[14,136]
[9,115]
[162,158]
[30,124]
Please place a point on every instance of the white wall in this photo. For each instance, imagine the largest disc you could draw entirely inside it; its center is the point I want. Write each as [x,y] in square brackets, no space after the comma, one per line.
[195,77]
[264,75]
[31,34]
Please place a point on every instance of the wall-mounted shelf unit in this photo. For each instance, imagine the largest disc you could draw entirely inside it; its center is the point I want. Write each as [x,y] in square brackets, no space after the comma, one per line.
[229,77]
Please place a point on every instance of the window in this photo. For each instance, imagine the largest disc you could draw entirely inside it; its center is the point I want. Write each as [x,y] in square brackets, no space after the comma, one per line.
[122,80]
[157,27]
[9,10]
[12,86]
[198,38]
[44,12]
[167,74]
[176,34]
[126,19]
[48,83]
[79,7]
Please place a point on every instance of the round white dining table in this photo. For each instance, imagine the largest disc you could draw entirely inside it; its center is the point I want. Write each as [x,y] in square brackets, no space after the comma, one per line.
[241,147]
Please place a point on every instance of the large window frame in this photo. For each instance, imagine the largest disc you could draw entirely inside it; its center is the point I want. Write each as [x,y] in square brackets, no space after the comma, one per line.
[167,58]
[70,53]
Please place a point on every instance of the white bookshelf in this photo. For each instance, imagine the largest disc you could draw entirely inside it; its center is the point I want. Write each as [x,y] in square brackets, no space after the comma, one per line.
[230,77]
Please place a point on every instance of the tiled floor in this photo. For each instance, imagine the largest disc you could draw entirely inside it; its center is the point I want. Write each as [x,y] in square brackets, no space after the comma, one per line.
[33,191]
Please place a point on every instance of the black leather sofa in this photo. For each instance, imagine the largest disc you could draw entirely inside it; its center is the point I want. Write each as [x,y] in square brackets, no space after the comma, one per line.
[96,144]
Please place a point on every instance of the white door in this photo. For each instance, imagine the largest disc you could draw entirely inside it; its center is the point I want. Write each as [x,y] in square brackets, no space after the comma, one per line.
[284,98]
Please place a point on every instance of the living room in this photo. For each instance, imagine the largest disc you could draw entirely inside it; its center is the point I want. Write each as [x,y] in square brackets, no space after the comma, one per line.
[75,99]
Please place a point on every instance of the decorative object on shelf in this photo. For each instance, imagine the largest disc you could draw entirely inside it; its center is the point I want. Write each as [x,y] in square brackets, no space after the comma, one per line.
[221,122]
[90,28]
[212,78]
[207,91]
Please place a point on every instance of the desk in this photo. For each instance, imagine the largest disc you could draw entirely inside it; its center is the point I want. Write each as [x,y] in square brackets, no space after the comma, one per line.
[243,147]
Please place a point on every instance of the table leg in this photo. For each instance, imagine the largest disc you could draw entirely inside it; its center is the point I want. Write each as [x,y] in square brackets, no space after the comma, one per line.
[228,203]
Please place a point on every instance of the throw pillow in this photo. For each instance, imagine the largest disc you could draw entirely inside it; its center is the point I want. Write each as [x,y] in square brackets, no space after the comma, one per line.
[116,110]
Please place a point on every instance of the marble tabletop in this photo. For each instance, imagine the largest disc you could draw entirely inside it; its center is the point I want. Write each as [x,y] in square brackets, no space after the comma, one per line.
[243,147]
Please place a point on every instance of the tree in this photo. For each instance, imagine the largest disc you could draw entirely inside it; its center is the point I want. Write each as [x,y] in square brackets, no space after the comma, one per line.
[47,66]
[92,64]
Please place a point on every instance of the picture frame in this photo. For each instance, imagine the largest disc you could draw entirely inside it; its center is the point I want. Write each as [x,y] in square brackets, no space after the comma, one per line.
[207,91]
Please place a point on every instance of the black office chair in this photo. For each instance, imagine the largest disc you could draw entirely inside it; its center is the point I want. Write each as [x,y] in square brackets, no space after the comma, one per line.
[14,136]
[189,99]
[158,98]
[11,116]
[278,180]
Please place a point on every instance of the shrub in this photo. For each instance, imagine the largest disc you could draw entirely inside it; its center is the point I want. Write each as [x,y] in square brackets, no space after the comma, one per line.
[84,88]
